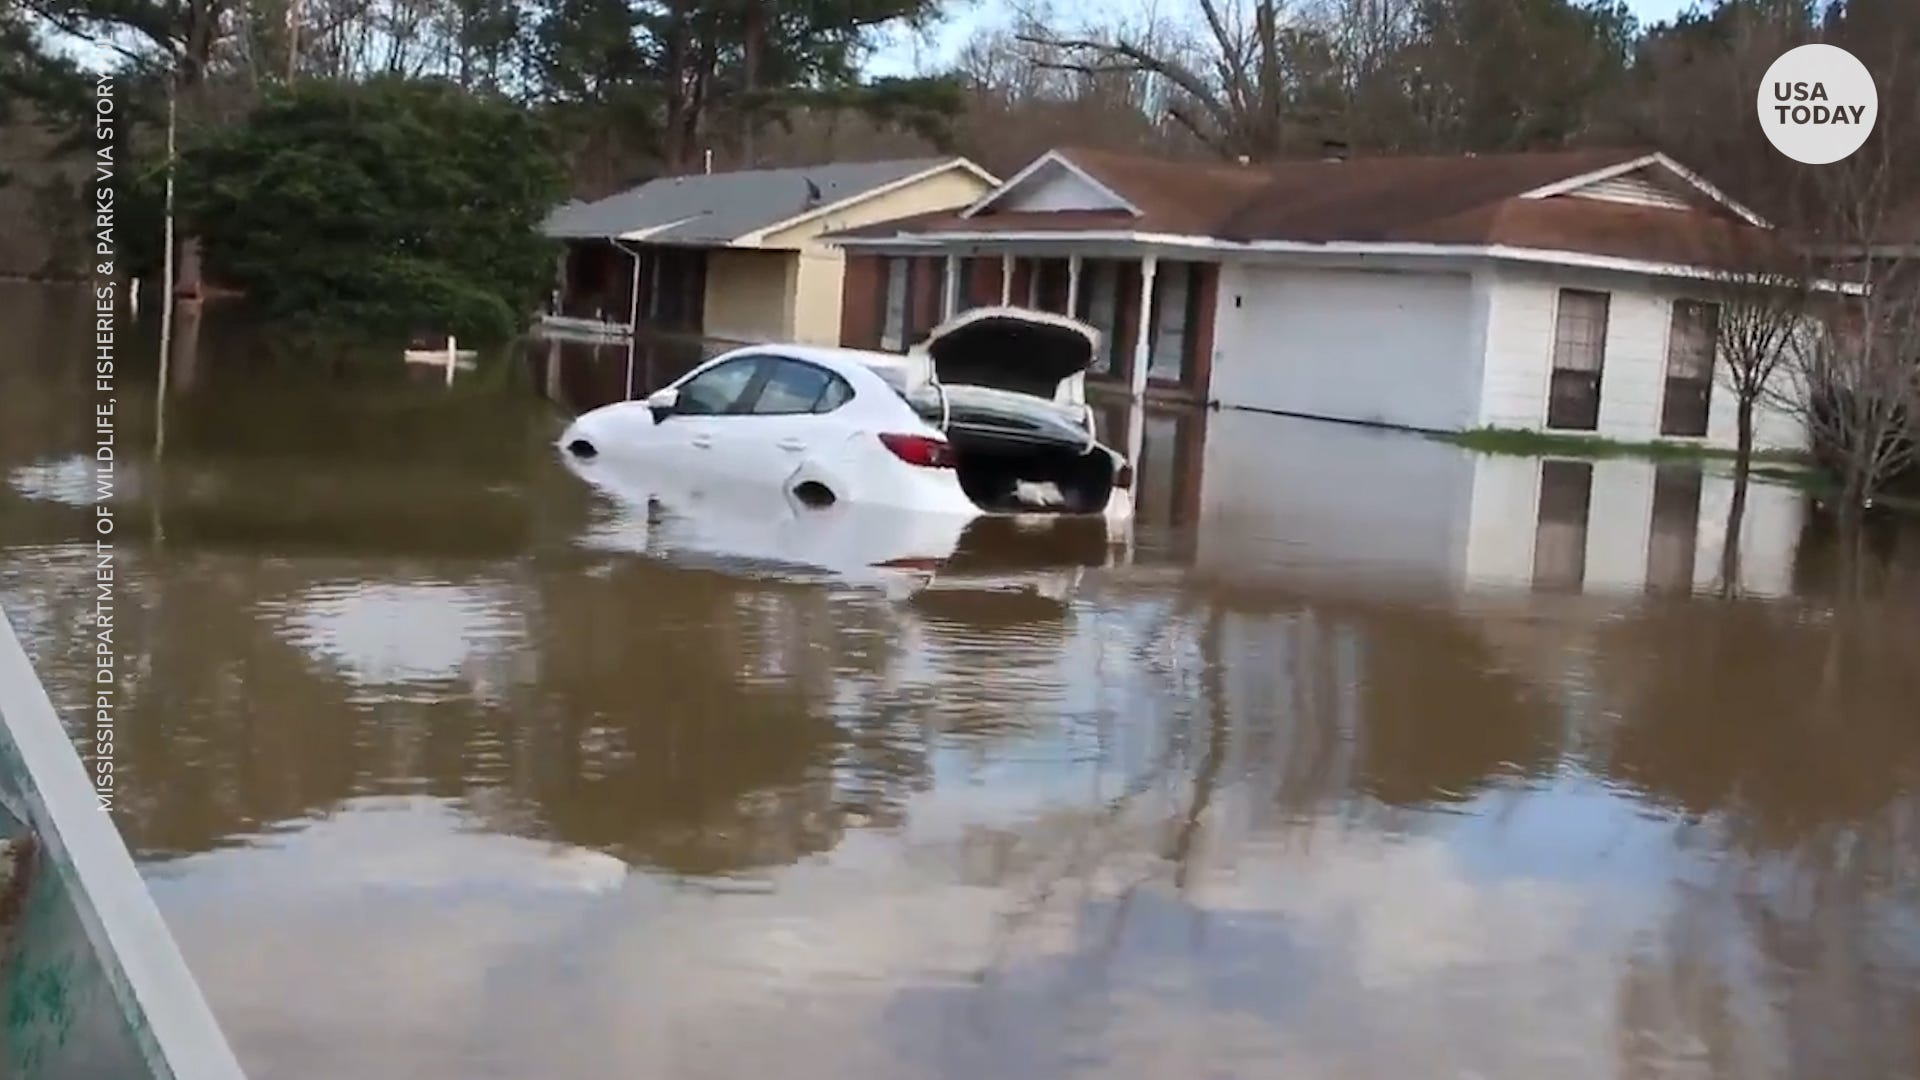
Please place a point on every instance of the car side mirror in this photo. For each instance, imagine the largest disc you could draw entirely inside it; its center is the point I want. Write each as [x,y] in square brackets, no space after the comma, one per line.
[663,403]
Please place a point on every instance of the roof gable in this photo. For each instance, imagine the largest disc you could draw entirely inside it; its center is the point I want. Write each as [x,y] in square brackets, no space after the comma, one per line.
[1648,180]
[1642,187]
[1052,182]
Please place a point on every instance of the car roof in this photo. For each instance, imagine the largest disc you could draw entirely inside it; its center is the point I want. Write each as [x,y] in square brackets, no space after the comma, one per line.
[893,367]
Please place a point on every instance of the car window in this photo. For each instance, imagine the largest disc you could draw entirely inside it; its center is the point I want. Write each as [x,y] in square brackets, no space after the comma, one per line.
[838,393]
[794,387]
[717,389]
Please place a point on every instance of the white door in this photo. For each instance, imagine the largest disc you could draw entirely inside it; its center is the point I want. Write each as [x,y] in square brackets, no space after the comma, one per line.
[705,422]
[791,420]
[1376,347]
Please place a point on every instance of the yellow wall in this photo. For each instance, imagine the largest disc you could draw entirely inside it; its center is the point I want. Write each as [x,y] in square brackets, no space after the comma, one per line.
[816,296]
[821,268]
[747,295]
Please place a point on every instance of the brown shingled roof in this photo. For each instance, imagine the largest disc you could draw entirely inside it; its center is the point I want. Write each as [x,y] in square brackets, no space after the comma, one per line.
[1467,200]
[1173,196]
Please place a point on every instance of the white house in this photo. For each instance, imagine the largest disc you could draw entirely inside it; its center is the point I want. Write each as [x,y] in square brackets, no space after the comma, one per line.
[1557,291]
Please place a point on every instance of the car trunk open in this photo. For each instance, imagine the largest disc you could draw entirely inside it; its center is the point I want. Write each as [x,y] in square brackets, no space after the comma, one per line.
[1029,352]
[1009,401]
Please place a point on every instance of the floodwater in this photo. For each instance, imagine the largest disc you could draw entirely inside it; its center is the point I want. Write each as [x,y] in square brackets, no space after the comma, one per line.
[1367,758]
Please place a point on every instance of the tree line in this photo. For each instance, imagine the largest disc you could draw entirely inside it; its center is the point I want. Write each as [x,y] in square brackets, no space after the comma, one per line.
[632,88]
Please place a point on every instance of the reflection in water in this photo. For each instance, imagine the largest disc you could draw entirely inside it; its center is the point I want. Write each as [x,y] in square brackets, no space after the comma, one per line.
[1334,501]
[580,374]
[1560,538]
[433,780]
[1672,553]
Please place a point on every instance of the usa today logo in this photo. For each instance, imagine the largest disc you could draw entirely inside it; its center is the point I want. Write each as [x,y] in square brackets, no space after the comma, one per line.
[1818,104]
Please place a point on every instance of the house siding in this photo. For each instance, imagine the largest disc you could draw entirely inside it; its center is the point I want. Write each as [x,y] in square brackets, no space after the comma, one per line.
[819,304]
[815,311]
[747,295]
[1383,347]
[1519,358]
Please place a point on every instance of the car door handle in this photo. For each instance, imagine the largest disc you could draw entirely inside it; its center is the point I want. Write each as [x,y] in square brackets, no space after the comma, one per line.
[702,442]
[791,444]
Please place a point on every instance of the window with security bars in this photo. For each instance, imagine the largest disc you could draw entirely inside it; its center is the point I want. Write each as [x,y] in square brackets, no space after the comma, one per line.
[1691,342]
[895,301]
[1579,354]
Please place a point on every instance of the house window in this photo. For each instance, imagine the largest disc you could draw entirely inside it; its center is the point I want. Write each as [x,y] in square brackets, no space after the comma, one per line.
[895,299]
[1579,353]
[1100,282]
[911,292]
[1173,302]
[1051,285]
[679,293]
[927,285]
[1691,342]
[1560,533]
[979,283]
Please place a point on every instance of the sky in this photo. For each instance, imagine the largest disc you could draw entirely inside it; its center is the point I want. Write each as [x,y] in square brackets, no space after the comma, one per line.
[910,53]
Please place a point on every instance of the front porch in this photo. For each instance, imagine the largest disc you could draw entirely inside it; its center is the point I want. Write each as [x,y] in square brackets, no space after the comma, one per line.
[615,289]
[1155,313]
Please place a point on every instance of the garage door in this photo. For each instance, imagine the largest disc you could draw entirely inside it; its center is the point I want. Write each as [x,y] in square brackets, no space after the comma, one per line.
[1353,345]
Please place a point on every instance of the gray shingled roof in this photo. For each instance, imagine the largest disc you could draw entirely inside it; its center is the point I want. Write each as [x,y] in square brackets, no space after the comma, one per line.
[715,208]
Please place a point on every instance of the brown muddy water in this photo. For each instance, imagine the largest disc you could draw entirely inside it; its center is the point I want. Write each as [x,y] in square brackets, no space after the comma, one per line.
[1368,758]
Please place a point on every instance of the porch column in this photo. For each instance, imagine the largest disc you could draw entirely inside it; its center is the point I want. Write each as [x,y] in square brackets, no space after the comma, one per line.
[1073,286]
[1006,280]
[1143,331]
[950,297]
[633,314]
[633,294]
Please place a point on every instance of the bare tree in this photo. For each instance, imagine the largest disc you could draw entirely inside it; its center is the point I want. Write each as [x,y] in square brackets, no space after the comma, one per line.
[1228,87]
[1758,306]
[1855,378]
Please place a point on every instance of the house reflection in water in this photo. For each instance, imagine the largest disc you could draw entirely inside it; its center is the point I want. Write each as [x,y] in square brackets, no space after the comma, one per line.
[581,373]
[1167,445]
[1302,496]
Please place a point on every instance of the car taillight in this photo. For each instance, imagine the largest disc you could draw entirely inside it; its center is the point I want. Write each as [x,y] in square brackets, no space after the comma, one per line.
[920,450]
[1123,477]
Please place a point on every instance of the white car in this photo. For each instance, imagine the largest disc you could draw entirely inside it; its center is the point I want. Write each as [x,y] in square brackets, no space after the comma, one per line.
[739,529]
[987,417]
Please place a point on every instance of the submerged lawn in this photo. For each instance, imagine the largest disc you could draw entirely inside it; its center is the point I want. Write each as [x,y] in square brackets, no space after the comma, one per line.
[1492,440]
[1791,468]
